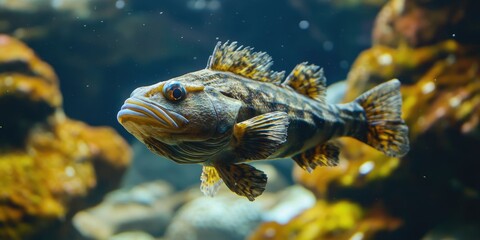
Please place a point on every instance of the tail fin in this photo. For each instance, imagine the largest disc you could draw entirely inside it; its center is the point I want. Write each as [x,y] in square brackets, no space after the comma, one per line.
[387,131]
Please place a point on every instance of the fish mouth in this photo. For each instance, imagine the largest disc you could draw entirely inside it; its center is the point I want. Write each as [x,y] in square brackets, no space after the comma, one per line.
[145,112]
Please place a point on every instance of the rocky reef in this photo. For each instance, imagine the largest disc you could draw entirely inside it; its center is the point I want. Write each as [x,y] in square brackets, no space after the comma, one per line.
[158,209]
[433,192]
[50,165]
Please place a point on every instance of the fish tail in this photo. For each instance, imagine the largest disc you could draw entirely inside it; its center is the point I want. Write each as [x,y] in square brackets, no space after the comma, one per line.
[386,130]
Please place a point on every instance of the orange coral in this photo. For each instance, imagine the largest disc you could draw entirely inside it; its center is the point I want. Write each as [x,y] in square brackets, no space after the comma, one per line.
[381,63]
[339,220]
[420,22]
[447,96]
[359,165]
[30,87]
[47,161]
[441,82]
[18,56]
[29,91]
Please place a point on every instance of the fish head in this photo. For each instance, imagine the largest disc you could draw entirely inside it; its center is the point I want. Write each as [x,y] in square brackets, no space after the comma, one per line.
[171,112]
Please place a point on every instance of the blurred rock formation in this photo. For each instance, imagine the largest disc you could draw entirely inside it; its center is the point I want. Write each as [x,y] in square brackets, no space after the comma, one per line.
[156,209]
[50,165]
[432,47]
[148,207]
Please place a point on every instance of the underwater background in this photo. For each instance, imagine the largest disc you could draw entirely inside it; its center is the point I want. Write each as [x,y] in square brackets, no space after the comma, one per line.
[68,170]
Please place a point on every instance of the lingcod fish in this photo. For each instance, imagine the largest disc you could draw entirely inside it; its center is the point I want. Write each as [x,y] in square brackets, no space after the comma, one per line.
[238,110]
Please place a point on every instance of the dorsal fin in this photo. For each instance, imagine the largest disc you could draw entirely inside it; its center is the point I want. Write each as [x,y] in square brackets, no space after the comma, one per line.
[242,61]
[308,80]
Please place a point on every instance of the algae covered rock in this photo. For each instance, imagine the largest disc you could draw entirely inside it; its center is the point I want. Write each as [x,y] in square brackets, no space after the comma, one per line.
[148,207]
[29,91]
[221,217]
[49,164]
[338,220]
[160,209]
[426,22]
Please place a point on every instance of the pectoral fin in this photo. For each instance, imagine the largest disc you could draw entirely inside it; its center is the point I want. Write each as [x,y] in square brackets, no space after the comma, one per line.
[259,137]
[243,179]
[321,155]
[211,181]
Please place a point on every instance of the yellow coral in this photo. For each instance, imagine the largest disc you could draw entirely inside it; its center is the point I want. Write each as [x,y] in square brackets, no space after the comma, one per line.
[339,220]
[13,50]
[33,88]
[321,220]
[56,160]
[359,165]
[380,63]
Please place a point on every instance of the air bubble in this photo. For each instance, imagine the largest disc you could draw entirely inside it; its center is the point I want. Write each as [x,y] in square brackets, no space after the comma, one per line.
[120,4]
[304,24]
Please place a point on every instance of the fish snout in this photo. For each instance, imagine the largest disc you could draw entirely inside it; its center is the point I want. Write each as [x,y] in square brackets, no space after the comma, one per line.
[144,112]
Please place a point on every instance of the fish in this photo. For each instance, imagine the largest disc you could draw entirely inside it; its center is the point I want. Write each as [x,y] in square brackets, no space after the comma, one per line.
[237,111]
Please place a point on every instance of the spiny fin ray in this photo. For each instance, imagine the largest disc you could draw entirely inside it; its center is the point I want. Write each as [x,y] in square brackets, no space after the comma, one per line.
[244,62]
[211,181]
[308,80]
[257,138]
[321,155]
[243,179]
[387,132]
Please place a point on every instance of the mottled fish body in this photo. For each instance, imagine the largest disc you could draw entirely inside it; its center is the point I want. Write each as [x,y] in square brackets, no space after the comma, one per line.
[237,110]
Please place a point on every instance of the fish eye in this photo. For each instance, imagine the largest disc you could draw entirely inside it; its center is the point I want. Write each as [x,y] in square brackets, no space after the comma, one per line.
[174,91]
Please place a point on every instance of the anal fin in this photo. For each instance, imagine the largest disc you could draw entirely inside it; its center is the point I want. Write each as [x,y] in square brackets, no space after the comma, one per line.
[321,155]
[243,179]
[211,181]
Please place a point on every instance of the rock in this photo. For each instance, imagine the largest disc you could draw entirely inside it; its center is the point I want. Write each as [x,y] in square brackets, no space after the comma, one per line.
[224,216]
[228,216]
[336,92]
[146,193]
[16,57]
[356,169]
[148,207]
[49,164]
[132,235]
[425,22]
[288,204]
[29,91]
[380,63]
[337,220]
[155,209]
[454,230]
